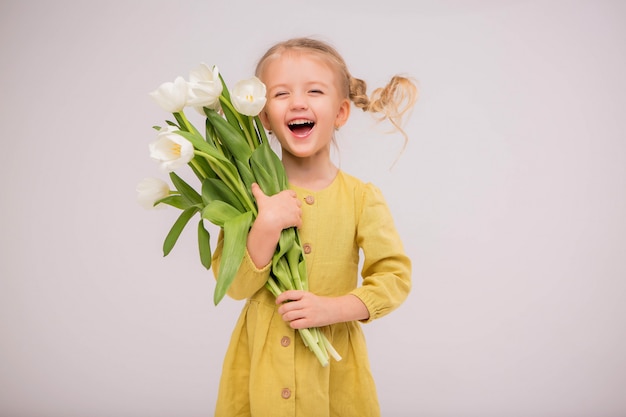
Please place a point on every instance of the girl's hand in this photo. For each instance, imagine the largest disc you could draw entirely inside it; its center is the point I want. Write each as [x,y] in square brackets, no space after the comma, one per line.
[303,309]
[277,212]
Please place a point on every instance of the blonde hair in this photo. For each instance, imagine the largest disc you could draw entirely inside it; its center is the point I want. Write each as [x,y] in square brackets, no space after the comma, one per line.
[392,101]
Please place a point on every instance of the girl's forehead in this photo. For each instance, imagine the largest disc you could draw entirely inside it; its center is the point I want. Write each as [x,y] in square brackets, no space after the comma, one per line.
[302,66]
[299,58]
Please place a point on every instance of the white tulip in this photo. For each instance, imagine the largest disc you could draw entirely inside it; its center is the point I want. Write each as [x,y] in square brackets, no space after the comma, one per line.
[172,96]
[248,96]
[171,150]
[151,190]
[205,88]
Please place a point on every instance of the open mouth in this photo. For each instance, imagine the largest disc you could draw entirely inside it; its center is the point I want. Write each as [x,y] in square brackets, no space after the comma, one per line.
[301,127]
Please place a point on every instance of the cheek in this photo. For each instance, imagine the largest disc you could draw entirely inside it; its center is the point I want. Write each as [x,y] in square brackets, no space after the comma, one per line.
[272,114]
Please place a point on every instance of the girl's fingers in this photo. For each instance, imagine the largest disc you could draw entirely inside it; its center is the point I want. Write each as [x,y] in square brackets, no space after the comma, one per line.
[289,295]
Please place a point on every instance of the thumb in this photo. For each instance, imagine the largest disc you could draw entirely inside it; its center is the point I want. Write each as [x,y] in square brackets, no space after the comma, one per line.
[257,192]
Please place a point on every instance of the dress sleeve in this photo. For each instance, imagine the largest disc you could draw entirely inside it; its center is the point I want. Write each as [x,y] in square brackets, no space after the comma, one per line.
[249,278]
[386,268]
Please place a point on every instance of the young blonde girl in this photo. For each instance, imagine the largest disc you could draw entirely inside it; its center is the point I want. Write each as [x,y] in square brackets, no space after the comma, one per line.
[267,371]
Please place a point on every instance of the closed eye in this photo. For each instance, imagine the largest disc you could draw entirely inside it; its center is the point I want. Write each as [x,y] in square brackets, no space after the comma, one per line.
[316,92]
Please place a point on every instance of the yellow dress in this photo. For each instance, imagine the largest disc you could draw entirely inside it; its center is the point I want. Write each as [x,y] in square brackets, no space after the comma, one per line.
[267,371]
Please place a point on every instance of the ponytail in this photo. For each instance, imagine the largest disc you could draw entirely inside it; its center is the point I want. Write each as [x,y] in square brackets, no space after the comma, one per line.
[391,102]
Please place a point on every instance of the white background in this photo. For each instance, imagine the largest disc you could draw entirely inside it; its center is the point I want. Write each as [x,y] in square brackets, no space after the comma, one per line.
[510,198]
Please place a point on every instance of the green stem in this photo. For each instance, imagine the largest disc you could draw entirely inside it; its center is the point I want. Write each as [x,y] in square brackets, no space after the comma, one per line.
[271,285]
[180,116]
[260,129]
[309,340]
[329,347]
[253,131]
[199,168]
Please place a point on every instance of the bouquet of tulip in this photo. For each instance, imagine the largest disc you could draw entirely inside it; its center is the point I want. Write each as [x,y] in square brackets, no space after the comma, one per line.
[232,154]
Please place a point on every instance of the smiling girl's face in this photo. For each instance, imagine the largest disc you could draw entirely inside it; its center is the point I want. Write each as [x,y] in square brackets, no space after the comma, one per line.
[304,104]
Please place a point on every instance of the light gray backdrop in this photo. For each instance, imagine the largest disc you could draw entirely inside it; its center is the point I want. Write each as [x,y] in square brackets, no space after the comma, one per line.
[510,197]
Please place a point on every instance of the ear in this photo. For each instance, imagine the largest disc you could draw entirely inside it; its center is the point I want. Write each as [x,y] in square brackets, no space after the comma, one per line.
[343,113]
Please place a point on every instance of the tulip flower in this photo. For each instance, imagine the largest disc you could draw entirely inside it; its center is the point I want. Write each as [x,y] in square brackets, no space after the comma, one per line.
[171,150]
[172,96]
[205,88]
[248,96]
[151,190]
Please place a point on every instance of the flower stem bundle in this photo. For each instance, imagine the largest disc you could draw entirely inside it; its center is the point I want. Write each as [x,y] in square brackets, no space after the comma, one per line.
[230,155]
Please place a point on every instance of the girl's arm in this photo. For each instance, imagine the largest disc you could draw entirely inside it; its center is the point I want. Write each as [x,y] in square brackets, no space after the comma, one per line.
[386,268]
[276,213]
[386,275]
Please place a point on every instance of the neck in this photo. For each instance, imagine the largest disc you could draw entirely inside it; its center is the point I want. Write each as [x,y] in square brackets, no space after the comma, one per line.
[310,174]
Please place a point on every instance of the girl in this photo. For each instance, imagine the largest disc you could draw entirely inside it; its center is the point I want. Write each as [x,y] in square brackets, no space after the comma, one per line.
[268,372]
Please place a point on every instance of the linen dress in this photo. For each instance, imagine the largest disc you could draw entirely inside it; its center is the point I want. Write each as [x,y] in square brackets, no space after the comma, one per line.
[267,370]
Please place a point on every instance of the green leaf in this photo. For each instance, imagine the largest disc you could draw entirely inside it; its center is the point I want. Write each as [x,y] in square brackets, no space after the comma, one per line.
[226,109]
[266,181]
[231,137]
[246,174]
[215,189]
[177,228]
[264,157]
[280,270]
[286,241]
[224,168]
[204,245]
[221,165]
[219,212]
[294,256]
[186,190]
[225,91]
[177,201]
[210,135]
[235,234]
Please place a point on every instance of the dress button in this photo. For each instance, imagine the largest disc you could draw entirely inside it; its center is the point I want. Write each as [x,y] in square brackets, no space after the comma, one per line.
[307,248]
[285,393]
[285,341]
[309,199]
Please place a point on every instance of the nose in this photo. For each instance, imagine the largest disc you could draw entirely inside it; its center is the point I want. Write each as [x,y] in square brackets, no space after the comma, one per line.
[299,102]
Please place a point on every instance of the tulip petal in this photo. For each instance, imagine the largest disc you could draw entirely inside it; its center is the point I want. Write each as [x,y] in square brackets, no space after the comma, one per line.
[171,96]
[248,96]
[171,149]
[151,190]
